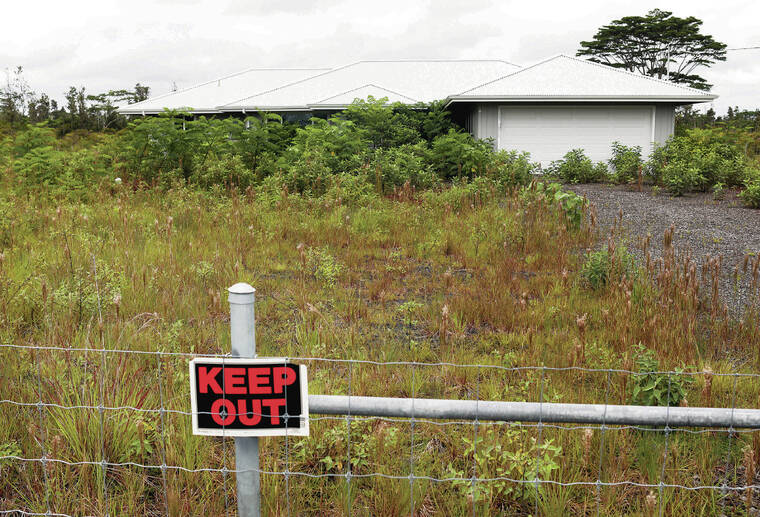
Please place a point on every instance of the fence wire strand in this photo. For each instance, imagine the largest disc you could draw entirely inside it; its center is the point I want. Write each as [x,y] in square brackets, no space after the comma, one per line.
[351,475]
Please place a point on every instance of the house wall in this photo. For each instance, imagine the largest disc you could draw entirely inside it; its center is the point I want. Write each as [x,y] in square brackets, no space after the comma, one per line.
[664,122]
[482,120]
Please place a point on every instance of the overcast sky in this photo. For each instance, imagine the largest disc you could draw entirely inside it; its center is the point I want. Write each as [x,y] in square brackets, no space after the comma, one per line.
[111,44]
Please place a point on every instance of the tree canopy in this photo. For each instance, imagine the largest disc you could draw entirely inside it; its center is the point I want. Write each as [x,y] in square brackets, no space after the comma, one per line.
[658,45]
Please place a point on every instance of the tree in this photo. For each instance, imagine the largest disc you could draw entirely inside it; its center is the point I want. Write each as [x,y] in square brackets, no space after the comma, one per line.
[15,97]
[658,45]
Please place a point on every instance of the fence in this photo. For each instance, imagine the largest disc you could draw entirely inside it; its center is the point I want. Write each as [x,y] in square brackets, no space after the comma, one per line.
[537,417]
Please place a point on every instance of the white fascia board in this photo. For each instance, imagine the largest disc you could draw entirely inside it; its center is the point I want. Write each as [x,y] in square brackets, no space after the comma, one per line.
[153,111]
[581,98]
[235,109]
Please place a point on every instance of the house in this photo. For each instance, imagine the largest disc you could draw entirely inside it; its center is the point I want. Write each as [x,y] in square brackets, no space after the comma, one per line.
[548,108]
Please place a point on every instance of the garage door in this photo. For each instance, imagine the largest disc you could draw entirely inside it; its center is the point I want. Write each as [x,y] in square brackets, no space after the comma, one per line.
[549,132]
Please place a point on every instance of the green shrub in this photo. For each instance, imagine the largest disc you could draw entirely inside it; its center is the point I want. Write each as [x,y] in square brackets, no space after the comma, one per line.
[351,188]
[227,170]
[380,125]
[34,137]
[750,196]
[571,204]
[82,171]
[651,388]
[309,173]
[459,155]
[600,267]
[323,266]
[596,269]
[513,168]
[326,146]
[696,162]
[40,166]
[259,140]
[576,167]
[679,177]
[625,163]
[395,166]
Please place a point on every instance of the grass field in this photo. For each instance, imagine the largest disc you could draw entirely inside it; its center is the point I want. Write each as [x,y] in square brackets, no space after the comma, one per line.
[467,275]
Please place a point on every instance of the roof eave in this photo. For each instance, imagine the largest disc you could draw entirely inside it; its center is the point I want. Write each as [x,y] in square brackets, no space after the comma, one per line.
[683,99]
[253,109]
[156,111]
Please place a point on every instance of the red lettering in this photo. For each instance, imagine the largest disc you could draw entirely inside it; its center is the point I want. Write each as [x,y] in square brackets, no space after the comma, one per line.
[258,380]
[243,412]
[216,412]
[234,381]
[207,379]
[283,376]
[274,406]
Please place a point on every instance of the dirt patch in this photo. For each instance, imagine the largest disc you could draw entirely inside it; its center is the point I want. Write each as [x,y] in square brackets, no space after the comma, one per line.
[704,227]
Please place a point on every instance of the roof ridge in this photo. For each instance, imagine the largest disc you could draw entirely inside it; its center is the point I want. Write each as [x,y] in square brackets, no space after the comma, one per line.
[233,103]
[523,69]
[584,61]
[364,86]
[635,74]
[228,76]
[437,61]
[354,63]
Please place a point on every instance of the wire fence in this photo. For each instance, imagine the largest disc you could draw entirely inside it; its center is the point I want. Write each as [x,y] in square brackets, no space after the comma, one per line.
[355,469]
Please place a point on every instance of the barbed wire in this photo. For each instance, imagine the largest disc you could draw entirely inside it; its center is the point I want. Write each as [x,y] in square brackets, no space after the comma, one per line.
[350,474]
[371,362]
[346,475]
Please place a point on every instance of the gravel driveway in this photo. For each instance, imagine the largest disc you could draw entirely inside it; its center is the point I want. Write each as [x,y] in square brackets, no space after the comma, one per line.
[703,227]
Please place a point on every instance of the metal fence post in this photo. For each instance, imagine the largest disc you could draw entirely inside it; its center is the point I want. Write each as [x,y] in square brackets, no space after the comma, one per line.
[243,338]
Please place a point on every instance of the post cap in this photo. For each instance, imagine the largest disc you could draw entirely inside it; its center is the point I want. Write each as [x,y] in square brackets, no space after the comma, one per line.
[241,293]
[241,288]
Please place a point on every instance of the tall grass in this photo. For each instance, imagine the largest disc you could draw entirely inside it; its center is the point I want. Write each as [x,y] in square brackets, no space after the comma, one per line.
[468,274]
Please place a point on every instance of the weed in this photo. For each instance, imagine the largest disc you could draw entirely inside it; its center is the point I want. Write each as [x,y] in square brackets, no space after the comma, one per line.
[651,388]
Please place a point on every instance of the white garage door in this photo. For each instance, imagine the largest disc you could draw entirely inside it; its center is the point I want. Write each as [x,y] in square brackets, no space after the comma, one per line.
[548,133]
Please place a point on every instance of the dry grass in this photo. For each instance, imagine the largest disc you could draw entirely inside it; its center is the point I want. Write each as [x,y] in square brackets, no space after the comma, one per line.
[458,276]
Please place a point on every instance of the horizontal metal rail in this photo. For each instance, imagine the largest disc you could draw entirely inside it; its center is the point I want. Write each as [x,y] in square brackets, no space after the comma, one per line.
[547,412]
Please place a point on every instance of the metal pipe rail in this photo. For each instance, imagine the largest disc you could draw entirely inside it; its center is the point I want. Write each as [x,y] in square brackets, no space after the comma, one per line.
[546,412]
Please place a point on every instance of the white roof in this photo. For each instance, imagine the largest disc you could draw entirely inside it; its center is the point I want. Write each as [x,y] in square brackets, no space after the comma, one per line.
[424,80]
[378,92]
[568,78]
[560,78]
[205,97]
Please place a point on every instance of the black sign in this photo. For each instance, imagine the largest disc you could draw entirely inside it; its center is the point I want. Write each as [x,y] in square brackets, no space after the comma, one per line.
[248,397]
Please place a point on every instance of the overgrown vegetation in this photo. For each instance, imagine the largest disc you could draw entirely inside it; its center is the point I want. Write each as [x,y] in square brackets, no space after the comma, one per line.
[699,160]
[469,273]
[381,234]
[370,145]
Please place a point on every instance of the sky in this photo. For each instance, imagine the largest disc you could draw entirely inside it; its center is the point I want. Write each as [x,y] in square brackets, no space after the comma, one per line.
[113,44]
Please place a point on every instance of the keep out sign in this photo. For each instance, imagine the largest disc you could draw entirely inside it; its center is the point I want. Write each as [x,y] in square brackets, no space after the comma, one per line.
[248,397]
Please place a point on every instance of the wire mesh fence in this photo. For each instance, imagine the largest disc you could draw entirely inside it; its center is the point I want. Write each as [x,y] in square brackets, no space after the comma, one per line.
[112,419]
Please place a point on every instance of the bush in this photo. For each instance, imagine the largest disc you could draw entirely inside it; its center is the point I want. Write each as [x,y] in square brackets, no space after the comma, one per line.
[309,173]
[326,146]
[625,163]
[33,137]
[576,167]
[380,125]
[571,204]
[514,168]
[600,267]
[40,166]
[750,196]
[696,162]
[227,170]
[679,177]
[398,165]
[651,388]
[459,155]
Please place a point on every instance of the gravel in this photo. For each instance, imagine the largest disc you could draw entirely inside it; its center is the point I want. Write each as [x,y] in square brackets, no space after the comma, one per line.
[704,227]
